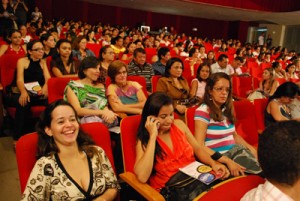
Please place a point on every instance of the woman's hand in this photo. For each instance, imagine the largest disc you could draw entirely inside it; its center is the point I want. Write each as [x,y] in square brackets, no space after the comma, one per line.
[221,170]
[24,98]
[152,125]
[108,116]
[181,108]
[235,169]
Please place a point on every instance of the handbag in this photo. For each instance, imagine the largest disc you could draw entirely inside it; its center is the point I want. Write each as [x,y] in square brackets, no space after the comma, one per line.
[181,187]
[243,156]
[191,102]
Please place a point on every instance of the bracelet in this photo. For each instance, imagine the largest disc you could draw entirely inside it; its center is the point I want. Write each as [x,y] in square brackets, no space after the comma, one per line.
[216,156]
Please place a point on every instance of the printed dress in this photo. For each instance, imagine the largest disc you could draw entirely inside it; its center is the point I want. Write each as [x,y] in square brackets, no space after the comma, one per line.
[50,181]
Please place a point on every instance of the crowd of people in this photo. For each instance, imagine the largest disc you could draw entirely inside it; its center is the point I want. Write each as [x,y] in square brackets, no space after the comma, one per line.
[189,67]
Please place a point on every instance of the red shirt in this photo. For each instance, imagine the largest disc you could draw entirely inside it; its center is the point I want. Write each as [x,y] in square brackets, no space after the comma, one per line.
[181,156]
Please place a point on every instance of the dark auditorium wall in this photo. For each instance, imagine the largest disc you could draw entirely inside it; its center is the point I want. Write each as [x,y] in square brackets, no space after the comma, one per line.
[92,13]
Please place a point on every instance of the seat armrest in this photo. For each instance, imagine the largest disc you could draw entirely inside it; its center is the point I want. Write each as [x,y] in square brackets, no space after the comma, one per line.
[144,189]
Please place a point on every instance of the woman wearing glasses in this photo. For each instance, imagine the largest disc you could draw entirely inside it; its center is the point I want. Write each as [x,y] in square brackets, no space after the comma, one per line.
[29,69]
[215,131]
[175,85]
[123,95]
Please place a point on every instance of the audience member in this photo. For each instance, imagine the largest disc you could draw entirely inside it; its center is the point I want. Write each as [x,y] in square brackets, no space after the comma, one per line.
[175,85]
[49,45]
[290,72]
[6,17]
[128,54]
[215,130]
[279,72]
[267,86]
[164,145]
[14,44]
[106,56]
[277,108]
[25,37]
[222,65]
[163,57]
[199,83]
[69,165]
[21,10]
[87,95]
[80,51]
[139,66]
[63,64]
[29,69]
[36,14]
[124,96]
[118,47]
[236,65]
[210,58]
[278,155]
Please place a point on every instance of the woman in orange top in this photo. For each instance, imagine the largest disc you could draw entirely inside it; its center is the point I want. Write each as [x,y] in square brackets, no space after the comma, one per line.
[164,145]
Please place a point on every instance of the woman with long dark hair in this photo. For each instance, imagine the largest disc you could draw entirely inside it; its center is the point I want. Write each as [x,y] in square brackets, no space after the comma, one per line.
[165,144]
[69,164]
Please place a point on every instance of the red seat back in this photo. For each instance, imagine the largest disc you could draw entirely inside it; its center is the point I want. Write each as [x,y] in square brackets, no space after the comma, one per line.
[8,65]
[150,52]
[154,80]
[246,125]
[189,118]
[129,127]
[232,190]
[94,47]
[260,106]
[241,85]
[56,87]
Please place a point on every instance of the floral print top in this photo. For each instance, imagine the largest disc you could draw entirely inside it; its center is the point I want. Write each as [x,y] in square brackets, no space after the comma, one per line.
[88,96]
[50,181]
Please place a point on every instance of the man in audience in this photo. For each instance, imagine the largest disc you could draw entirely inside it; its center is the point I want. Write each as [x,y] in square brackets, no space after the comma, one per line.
[236,65]
[279,158]
[163,56]
[222,65]
[139,66]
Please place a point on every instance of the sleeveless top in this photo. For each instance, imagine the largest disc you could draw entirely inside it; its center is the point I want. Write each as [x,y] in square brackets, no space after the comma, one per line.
[10,50]
[169,165]
[201,88]
[269,119]
[33,73]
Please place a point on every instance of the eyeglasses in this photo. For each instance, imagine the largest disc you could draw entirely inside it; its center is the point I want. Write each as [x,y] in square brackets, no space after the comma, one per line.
[221,89]
[38,49]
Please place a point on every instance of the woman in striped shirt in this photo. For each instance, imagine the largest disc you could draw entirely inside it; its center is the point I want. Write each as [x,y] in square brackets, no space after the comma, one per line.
[214,125]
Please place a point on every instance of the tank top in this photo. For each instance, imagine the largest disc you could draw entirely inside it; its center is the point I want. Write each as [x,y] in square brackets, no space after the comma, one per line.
[10,50]
[34,72]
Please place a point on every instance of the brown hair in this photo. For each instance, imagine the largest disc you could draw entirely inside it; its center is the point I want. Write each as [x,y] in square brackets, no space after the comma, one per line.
[227,108]
[114,68]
